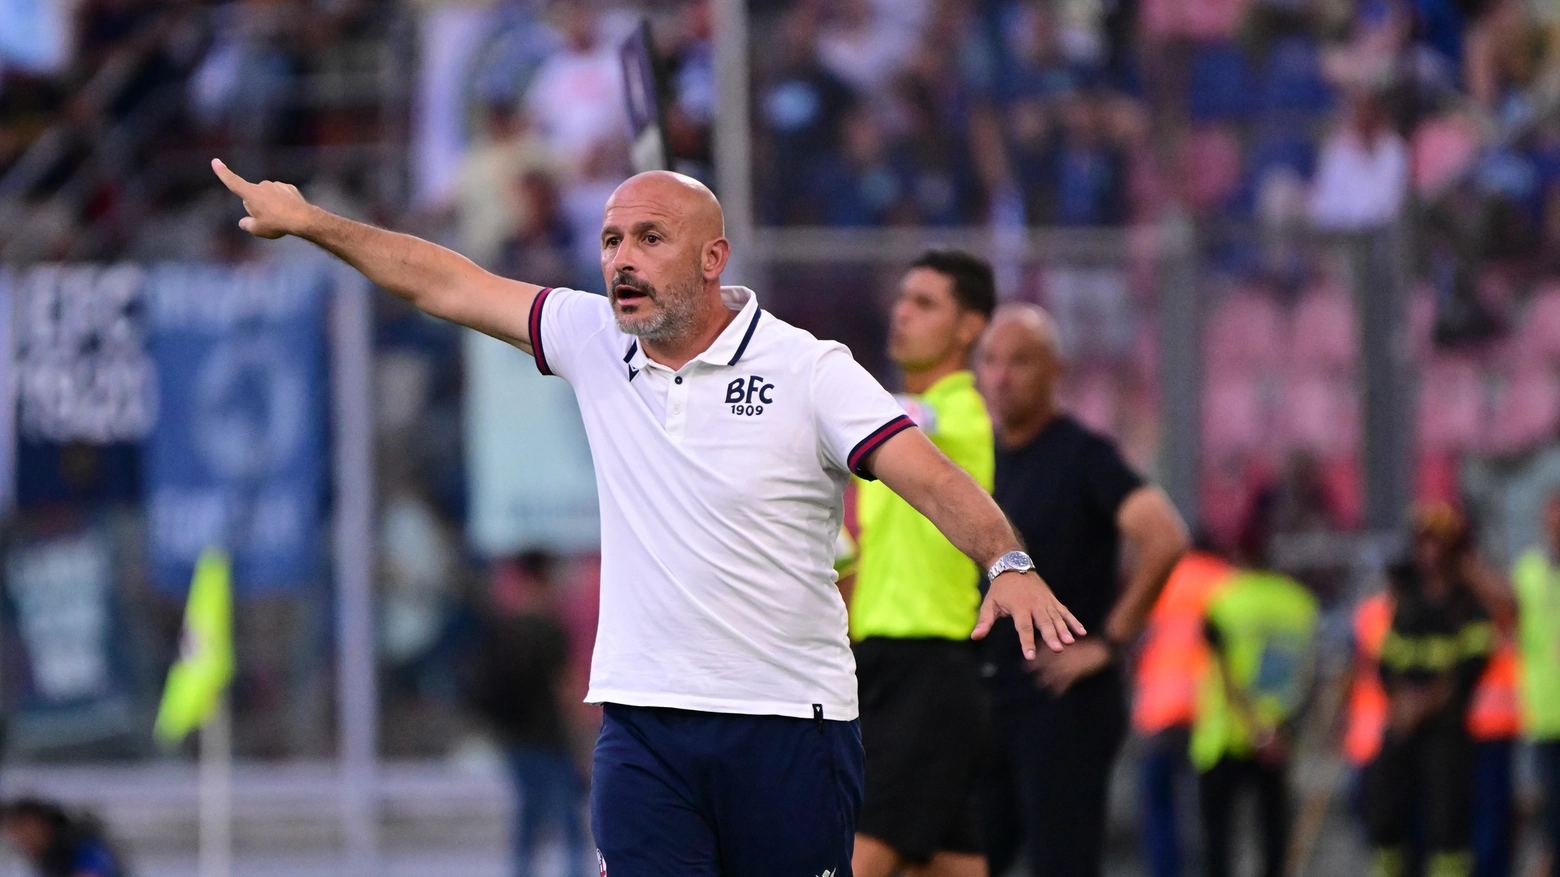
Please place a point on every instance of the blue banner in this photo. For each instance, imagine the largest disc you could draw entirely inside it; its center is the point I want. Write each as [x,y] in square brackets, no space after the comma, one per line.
[237,457]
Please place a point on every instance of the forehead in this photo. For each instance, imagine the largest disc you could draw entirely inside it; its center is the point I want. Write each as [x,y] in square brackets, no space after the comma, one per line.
[926,281]
[643,204]
[1014,337]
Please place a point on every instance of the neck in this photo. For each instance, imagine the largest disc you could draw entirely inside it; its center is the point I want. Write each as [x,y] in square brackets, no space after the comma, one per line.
[674,353]
[918,382]
[1015,432]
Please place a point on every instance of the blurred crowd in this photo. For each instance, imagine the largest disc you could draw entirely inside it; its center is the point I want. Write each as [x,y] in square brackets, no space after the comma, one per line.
[1272,125]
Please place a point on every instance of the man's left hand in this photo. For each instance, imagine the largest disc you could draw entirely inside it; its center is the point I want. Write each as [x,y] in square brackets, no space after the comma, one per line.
[1060,671]
[1026,598]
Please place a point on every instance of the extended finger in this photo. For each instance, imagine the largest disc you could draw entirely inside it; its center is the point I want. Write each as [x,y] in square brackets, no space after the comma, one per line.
[1072,620]
[1063,632]
[235,183]
[983,622]
[1025,625]
[1043,623]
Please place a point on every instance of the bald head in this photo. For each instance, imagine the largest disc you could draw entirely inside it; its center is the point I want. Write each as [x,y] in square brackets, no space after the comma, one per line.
[1019,365]
[663,248]
[676,195]
[1028,322]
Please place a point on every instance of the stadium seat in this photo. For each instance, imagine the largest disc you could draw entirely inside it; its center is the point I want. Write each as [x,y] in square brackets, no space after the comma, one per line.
[1540,333]
[1092,399]
[1436,478]
[1451,404]
[1320,414]
[1292,82]
[1441,149]
[1232,415]
[1221,87]
[1209,168]
[1245,333]
[1527,411]
[1325,335]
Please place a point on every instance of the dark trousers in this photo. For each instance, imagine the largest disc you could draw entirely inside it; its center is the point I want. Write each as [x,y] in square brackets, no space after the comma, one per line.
[1548,752]
[1218,790]
[1048,777]
[549,795]
[1492,803]
[1163,766]
[1428,773]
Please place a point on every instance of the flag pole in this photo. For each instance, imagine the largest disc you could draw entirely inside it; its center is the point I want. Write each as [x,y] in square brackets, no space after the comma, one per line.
[216,792]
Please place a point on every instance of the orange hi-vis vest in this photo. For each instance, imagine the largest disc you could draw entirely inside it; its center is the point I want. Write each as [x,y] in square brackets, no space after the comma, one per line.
[1493,714]
[1367,712]
[1174,650]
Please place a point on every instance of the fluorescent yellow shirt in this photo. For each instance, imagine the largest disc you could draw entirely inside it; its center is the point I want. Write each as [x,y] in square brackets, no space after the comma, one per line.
[910,581]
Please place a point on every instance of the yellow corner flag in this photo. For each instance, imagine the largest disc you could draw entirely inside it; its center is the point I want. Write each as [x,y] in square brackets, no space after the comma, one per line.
[205,664]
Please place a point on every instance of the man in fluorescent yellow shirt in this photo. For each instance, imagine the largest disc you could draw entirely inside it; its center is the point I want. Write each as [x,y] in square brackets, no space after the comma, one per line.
[916,596]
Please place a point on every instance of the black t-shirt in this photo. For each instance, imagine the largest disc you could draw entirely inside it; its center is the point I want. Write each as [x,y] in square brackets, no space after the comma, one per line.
[1062,492]
[515,680]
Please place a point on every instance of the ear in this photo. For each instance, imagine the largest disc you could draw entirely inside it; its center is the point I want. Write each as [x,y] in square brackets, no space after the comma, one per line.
[716,254]
[971,325]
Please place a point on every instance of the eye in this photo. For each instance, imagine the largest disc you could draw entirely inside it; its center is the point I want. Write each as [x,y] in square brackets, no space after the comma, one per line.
[611,241]
[652,237]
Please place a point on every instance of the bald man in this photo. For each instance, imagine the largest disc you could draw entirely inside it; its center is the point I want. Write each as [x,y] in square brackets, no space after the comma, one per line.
[1060,719]
[722,440]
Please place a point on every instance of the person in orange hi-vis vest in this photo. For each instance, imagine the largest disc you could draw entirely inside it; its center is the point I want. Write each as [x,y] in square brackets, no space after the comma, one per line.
[1164,701]
[1494,720]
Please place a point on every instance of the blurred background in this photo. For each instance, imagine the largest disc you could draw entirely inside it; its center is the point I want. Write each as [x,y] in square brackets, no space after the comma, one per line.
[1304,256]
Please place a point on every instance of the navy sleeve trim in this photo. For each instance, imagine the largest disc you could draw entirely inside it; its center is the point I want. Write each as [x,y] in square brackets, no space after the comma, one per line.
[866,446]
[742,348]
[534,329]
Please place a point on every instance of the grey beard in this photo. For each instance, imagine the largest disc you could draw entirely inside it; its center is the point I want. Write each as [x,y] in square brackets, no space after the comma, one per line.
[674,318]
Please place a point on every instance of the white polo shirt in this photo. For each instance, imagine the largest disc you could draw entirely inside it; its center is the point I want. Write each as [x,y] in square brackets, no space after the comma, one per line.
[721,495]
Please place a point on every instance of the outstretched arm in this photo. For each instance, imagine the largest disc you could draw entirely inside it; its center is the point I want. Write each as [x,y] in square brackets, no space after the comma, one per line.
[915,469]
[437,280]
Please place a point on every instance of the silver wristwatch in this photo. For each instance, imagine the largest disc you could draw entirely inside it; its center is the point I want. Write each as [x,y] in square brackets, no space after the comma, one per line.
[1013,561]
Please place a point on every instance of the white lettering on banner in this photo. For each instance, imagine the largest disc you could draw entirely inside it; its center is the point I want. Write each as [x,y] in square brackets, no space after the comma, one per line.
[184,521]
[60,588]
[215,298]
[83,371]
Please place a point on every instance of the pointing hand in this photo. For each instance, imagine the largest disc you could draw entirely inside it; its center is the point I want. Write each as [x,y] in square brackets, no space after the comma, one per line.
[275,209]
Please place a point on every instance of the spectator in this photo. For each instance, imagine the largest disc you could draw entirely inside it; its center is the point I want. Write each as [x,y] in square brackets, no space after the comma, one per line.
[1362,176]
[1536,577]
[542,245]
[1169,667]
[1091,172]
[868,183]
[802,111]
[489,205]
[1060,719]
[1261,627]
[1431,659]
[58,843]
[516,683]
[866,43]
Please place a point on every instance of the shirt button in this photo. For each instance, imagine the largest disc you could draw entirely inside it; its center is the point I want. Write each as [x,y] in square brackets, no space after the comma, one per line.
[679,379]
[676,409]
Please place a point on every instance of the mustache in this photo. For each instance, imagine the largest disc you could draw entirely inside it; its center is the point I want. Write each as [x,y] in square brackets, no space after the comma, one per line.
[635,283]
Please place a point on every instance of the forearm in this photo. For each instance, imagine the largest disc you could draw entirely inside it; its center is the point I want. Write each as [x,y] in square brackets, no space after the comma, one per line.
[967,516]
[1155,561]
[419,271]
[1157,535]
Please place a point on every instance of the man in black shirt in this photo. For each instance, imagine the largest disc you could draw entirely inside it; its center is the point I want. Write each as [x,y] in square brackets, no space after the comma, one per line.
[1060,719]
